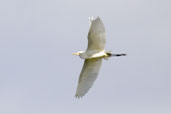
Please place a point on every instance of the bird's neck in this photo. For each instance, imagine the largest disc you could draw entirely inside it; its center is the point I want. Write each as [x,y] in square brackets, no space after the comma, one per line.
[84,55]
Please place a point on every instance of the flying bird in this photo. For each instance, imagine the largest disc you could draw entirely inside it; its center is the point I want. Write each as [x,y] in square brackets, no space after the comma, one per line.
[93,56]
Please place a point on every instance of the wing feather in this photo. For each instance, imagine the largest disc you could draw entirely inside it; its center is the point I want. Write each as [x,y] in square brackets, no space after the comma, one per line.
[96,35]
[88,75]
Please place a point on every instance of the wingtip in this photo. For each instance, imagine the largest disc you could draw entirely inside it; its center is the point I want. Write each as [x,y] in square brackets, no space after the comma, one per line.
[92,18]
[78,96]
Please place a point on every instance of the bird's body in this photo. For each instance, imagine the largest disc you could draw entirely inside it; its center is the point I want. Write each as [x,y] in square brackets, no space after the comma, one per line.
[93,56]
[90,54]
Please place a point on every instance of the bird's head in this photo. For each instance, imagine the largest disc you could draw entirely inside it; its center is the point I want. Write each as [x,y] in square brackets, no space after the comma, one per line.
[78,53]
[81,54]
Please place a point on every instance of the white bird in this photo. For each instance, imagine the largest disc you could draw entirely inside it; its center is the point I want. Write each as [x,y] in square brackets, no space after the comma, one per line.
[93,56]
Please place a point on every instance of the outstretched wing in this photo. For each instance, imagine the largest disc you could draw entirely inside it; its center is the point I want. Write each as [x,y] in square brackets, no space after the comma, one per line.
[88,75]
[96,35]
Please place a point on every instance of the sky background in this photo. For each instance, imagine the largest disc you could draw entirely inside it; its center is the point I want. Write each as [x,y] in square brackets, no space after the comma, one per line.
[39,74]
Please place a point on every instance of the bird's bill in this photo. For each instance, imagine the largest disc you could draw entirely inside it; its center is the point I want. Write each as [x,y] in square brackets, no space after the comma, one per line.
[75,53]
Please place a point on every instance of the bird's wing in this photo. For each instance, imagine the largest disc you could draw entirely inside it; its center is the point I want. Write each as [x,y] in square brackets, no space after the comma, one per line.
[96,35]
[88,75]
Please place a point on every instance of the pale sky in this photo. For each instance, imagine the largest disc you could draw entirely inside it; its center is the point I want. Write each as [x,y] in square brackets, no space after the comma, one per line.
[39,74]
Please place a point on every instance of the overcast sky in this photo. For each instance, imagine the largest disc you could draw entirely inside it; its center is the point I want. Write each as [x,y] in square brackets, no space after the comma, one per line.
[39,74]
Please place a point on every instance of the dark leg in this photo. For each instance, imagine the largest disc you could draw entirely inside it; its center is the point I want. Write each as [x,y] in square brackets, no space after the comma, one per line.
[118,55]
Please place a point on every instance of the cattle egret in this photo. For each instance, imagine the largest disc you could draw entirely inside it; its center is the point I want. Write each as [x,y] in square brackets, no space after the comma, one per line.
[93,56]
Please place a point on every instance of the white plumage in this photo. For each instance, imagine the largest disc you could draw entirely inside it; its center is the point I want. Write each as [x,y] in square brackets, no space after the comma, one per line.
[93,56]
[96,40]
[88,75]
[96,36]
[92,63]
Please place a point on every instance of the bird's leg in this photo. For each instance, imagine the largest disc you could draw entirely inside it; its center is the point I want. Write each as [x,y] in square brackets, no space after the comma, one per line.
[117,55]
